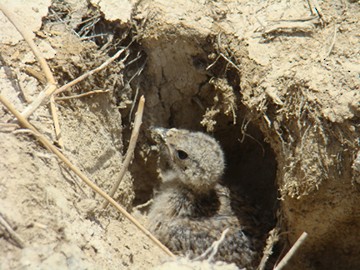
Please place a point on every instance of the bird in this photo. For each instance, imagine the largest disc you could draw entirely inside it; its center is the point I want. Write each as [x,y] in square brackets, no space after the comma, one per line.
[191,208]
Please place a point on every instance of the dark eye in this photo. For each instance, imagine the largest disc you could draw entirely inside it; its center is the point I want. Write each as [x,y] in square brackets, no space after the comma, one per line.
[182,154]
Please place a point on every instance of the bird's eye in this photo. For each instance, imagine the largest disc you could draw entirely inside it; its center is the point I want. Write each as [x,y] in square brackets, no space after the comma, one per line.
[182,154]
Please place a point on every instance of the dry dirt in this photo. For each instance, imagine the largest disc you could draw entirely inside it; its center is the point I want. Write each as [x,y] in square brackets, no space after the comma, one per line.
[276,82]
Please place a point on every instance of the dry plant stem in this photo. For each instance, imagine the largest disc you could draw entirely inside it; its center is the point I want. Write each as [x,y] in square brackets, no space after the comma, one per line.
[230,62]
[216,244]
[45,95]
[316,9]
[49,89]
[9,125]
[306,27]
[11,232]
[140,206]
[27,36]
[87,74]
[332,43]
[291,252]
[131,148]
[213,249]
[273,238]
[83,94]
[48,145]
[54,114]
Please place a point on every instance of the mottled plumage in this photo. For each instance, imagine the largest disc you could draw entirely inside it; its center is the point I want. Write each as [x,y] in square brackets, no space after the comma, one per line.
[191,209]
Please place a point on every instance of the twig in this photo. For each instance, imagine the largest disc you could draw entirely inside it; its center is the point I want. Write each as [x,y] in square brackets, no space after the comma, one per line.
[70,178]
[213,63]
[310,4]
[93,36]
[45,95]
[134,102]
[83,94]
[12,233]
[141,206]
[272,239]
[51,83]
[332,43]
[48,145]
[51,86]
[213,249]
[230,62]
[89,73]
[307,19]
[216,244]
[316,9]
[245,134]
[88,26]
[131,148]
[27,36]
[42,97]
[24,131]
[137,73]
[287,26]
[55,117]
[65,24]
[291,252]
[9,125]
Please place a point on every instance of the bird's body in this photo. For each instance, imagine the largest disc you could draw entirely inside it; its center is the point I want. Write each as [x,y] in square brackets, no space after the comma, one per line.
[191,209]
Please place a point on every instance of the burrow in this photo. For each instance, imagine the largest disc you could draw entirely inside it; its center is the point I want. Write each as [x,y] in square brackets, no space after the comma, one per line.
[191,82]
[187,85]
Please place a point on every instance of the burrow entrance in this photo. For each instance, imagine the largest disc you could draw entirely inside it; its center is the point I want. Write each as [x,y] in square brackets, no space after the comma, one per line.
[188,85]
[181,91]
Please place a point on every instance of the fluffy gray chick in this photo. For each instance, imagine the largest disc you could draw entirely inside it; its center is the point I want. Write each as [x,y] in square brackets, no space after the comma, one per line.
[191,209]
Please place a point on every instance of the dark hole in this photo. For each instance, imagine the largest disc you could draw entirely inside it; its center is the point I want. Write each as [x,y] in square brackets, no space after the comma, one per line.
[251,170]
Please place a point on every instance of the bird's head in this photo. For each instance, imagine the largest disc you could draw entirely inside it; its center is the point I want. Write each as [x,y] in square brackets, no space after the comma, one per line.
[193,159]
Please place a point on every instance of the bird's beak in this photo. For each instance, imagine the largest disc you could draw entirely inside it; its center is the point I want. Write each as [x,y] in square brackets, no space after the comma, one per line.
[159,132]
[160,136]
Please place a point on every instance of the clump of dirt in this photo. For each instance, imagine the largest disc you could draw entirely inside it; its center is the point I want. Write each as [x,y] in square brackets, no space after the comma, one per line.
[276,84]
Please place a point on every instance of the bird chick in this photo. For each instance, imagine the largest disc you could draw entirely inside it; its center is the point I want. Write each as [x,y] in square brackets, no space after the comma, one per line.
[191,209]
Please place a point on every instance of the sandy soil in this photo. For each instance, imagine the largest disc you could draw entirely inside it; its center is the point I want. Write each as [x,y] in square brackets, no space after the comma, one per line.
[276,82]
